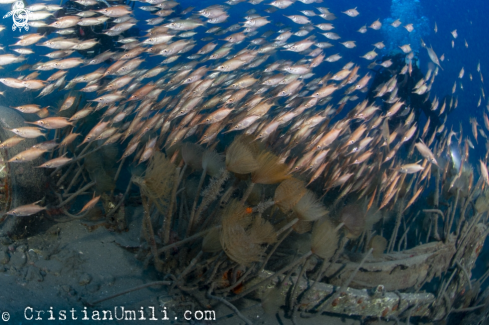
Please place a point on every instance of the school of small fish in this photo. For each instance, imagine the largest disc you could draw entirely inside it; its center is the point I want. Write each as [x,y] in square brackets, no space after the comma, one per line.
[204,92]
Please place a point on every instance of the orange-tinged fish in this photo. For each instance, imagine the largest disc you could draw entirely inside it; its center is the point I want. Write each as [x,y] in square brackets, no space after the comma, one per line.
[394,109]
[115,11]
[363,157]
[474,124]
[29,132]
[328,138]
[26,210]
[95,132]
[324,92]
[484,173]
[29,109]
[372,199]
[52,122]
[67,103]
[11,142]
[90,204]
[410,168]
[317,173]
[413,199]
[69,139]
[56,162]
[27,155]
[426,152]
[356,135]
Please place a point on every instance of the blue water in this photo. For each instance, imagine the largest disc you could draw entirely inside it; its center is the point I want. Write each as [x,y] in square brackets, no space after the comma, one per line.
[467,17]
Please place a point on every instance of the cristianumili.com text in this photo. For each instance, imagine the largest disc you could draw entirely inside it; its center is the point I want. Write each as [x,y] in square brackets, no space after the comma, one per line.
[116,313]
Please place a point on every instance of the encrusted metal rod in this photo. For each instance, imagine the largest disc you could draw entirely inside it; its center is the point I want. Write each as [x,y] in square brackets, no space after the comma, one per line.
[62,178]
[465,273]
[75,178]
[345,285]
[227,194]
[119,169]
[287,226]
[74,217]
[465,237]
[280,272]
[461,310]
[293,298]
[435,223]
[274,249]
[74,195]
[215,268]
[392,241]
[450,222]
[238,282]
[150,234]
[437,187]
[190,266]
[326,266]
[227,303]
[404,236]
[196,200]
[467,201]
[111,212]
[71,216]
[83,155]
[429,230]
[166,228]
[444,287]
[484,277]
[359,302]
[435,211]
[151,284]
[56,134]
[186,240]
[247,193]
